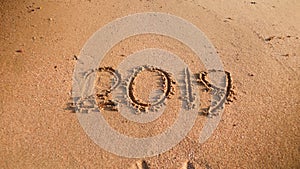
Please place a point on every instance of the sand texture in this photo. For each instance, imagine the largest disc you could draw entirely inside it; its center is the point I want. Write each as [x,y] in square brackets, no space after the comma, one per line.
[257,41]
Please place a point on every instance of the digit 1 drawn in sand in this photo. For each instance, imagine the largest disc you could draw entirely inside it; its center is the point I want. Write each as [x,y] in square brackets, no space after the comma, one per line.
[189,94]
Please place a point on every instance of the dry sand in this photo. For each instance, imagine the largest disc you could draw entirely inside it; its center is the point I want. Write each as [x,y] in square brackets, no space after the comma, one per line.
[258,42]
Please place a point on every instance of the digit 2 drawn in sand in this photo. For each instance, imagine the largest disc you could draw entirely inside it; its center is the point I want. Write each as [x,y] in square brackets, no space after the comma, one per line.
[102,41]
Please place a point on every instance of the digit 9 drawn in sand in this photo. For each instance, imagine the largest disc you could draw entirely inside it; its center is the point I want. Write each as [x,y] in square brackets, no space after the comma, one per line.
[116,98]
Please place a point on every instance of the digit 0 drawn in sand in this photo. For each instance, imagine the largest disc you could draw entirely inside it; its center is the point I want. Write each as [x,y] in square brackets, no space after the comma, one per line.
[168,89]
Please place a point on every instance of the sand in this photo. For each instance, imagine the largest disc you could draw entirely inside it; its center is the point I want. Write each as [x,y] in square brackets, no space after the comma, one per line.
[257,41]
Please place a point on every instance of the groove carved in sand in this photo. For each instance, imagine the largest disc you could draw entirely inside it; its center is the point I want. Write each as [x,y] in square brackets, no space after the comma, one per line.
[104,101]
[141,106]
[103,97]
[224,95]
[189,97]
[140,165]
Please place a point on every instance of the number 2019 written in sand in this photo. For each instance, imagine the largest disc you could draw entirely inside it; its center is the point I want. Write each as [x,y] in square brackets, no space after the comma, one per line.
[103,97]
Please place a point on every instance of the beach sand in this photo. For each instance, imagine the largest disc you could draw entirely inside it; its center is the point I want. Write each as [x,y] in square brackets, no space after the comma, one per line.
[257,41]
